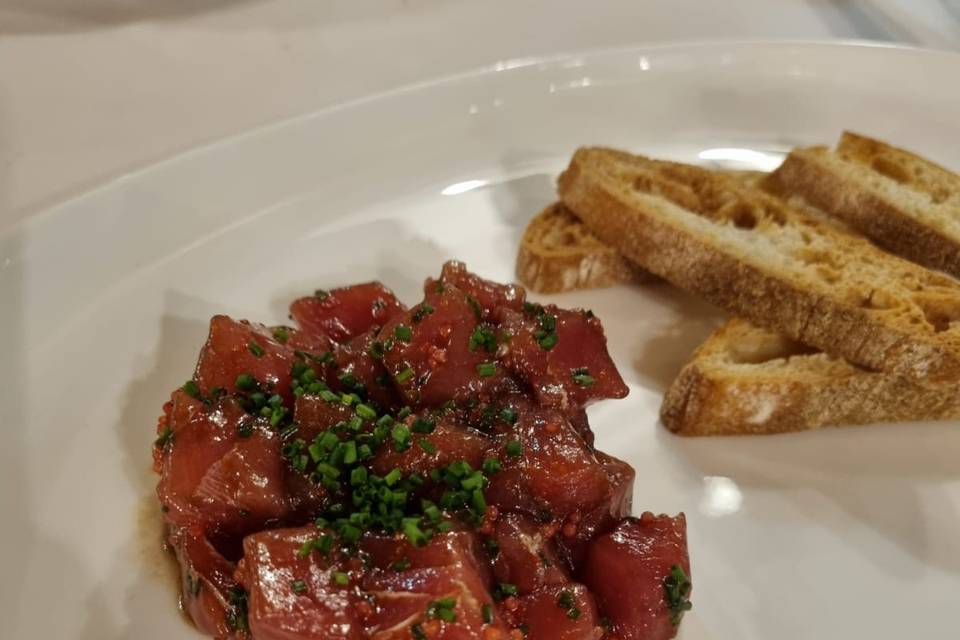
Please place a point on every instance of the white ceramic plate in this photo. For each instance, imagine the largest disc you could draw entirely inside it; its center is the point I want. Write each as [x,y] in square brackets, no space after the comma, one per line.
[105,299]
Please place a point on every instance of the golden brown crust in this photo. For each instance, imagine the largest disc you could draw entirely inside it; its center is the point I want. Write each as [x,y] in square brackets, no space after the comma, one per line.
[809,174]
[771,386]
[557,253]
[643,208]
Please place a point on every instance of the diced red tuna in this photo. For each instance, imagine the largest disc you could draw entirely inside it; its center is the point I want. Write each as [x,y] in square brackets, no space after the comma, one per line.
[553,471]
[560,612]
[406,579]
[626,570]
[563,356]
[446,443]
[575,535]
[222,469]
[206,582]
[346,312]
[489,296]
[234,348]
[437,363]
[358,363]
[292,596]
[526,556]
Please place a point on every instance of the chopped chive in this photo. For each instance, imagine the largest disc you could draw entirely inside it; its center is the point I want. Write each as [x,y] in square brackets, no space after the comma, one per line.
[443,609]
[349,452]
[255,349]
[323,294]
[411,529]
[358,477]
[548,341]
[192,389]
[245,382]
[427,446]
[404,375]
[483,337]
[401,437]
[403,334]
[422,424]
[422,312]
[514,448]
[487,369]
[341,578]
[475,305]
[487,614]
[165,438]
[299,587]
[365,411]
[509,415]
[582,377]
[393,477]
[281,335]
[491,466]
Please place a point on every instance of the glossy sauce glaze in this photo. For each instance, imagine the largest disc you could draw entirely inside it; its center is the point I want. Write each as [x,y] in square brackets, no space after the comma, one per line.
[384,472]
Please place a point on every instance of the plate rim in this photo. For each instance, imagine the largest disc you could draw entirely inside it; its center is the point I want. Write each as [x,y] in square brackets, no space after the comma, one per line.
[39,213]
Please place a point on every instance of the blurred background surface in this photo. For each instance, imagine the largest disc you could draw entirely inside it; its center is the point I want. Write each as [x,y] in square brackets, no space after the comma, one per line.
[92,89]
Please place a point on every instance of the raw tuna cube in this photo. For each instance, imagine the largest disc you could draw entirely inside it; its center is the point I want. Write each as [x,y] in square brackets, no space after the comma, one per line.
[407,582]
[206,583]
[562,354]
[560,612]
[446,443]
[234,348]
[576,534]
[292,596]
[212,475]
[526,557]
[360,370]
[548,470]
[430,358]
[344,313]
[627,571]
[489,296]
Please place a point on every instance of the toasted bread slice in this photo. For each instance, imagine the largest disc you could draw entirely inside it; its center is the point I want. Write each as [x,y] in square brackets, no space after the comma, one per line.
[557,253]
[781,269]
[747,380]
[901,201]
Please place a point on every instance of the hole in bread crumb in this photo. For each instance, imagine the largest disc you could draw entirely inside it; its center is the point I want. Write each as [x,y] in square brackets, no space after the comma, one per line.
[761,351]
[744,218]
[643,183]
[891,169]
[879,300]
[940,313]
[828,274]
[940,196]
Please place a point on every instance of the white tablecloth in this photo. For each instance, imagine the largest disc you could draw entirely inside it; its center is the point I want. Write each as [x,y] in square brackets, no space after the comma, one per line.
[90,89]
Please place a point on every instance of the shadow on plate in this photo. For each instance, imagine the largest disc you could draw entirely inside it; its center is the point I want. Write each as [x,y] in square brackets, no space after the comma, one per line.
[662,355]
[895,479]
[155,585]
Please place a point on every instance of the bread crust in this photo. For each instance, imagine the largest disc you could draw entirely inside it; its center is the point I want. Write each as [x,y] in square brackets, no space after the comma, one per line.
[557,253]
[647,231]
[715,394]
[804,174]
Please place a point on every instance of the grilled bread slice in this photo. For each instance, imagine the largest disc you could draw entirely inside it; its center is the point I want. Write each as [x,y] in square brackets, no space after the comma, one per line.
[901,201]
[747,380]
[743,379]
[557,253]
[776,266]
